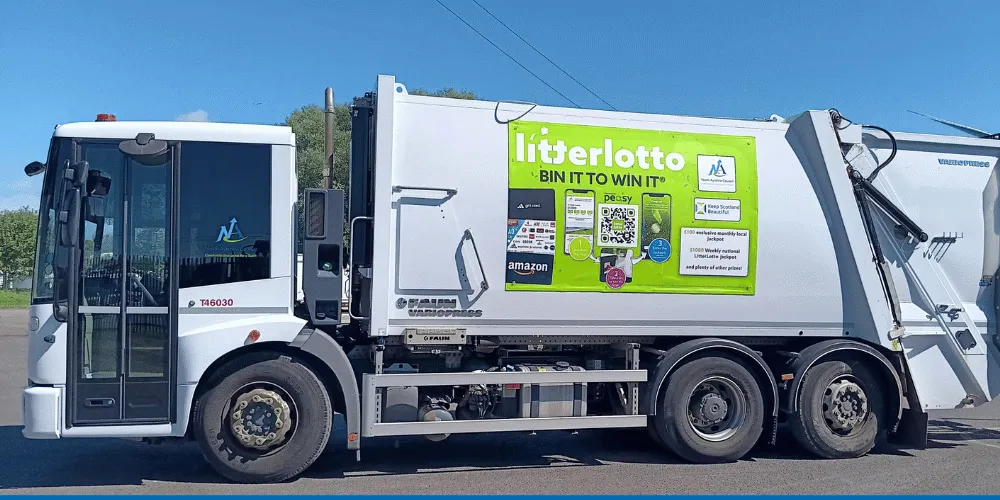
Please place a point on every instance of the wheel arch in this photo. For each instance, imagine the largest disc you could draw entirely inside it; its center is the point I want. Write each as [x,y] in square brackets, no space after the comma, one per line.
[835,348]
[322,355]
[674,357]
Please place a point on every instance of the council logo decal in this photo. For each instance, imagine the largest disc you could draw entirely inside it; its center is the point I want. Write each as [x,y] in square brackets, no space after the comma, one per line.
[717,173]
[717,170]
[232,234]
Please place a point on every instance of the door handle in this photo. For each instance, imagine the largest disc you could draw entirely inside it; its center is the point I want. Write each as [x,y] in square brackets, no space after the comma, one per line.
[99,402]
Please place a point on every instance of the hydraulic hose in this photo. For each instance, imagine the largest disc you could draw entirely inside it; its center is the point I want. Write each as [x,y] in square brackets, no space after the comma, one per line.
[871,178]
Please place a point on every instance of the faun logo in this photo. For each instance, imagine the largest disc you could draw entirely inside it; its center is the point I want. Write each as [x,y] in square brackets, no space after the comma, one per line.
[440,308]
[433,303]
[232,234]
[528,268]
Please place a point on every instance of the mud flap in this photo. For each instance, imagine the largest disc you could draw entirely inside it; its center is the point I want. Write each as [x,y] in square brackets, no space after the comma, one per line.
[912,430]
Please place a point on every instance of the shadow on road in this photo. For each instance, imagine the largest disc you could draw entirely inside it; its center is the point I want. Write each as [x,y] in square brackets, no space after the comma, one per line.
[415,455]
[949,434]
[111,462]
[95,462]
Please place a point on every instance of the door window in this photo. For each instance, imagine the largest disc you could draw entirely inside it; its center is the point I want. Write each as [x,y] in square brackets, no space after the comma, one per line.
[102,241]
[101,273]
[148,255]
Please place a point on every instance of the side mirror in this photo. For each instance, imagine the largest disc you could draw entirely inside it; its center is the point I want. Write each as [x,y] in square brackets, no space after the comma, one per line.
[93,209]
[98,183]
[60,310]
[34,168]
[77,173]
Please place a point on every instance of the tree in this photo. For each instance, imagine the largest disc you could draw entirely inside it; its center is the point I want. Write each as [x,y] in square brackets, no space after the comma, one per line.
[309,127]
[445,92]
[310,138]
[17,244]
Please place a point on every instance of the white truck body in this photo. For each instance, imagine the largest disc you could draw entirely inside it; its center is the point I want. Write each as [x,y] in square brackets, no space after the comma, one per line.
[805,285]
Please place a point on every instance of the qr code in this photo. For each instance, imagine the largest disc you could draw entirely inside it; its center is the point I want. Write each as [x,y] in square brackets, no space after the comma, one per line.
[618,225]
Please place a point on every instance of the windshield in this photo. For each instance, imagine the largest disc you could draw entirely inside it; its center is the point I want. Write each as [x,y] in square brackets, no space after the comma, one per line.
[59,152]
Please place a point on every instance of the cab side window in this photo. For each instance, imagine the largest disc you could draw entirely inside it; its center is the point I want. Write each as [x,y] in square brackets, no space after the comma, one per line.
[224,227]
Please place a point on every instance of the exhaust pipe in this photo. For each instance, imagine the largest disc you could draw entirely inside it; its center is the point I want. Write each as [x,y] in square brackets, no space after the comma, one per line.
[330,116]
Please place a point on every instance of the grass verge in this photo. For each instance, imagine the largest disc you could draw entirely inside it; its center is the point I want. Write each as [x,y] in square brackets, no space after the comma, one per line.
[11,299]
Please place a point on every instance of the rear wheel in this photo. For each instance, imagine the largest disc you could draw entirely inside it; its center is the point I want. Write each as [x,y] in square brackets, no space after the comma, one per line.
[712,411]
[840,410]
[265,418]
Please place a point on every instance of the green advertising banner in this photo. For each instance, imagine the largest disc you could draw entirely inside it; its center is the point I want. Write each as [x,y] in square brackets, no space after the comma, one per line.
[602,209]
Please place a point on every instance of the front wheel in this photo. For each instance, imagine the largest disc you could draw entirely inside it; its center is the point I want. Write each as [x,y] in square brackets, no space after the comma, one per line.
[712,411]
[264,419]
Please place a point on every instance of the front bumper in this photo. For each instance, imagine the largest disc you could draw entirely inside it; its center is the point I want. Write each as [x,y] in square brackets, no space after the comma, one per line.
[40,410]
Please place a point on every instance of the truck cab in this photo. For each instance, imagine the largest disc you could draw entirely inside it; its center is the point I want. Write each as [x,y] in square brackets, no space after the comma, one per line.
[159,245]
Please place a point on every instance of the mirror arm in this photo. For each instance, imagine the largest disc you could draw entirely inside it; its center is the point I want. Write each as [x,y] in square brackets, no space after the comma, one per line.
[67,255]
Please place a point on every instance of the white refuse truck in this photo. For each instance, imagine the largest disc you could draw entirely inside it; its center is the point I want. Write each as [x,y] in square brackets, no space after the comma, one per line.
[512,268]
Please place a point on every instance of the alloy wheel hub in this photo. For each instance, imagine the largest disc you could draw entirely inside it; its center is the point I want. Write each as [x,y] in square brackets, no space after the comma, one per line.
[845,405]
[717,409]
[712,409]
[260,419]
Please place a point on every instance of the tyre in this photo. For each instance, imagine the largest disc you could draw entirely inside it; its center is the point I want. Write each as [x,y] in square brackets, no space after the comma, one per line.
[712,411]
[840,410]
[654,434]
[265,418]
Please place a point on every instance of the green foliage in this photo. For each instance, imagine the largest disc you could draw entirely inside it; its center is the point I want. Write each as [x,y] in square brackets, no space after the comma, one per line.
[445,92]
[17,243]
[309,127]
[308,124]
[11,299]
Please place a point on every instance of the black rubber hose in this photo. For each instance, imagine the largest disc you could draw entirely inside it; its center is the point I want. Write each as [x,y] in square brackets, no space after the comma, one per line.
[892,155]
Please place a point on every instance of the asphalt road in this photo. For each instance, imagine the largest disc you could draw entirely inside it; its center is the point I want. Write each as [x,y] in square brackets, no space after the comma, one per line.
[963,457]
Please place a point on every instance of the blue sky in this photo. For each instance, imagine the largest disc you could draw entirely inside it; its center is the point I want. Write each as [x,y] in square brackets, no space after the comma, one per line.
[255,61]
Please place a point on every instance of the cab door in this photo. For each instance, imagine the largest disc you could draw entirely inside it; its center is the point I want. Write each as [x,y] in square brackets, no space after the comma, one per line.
[120,283]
